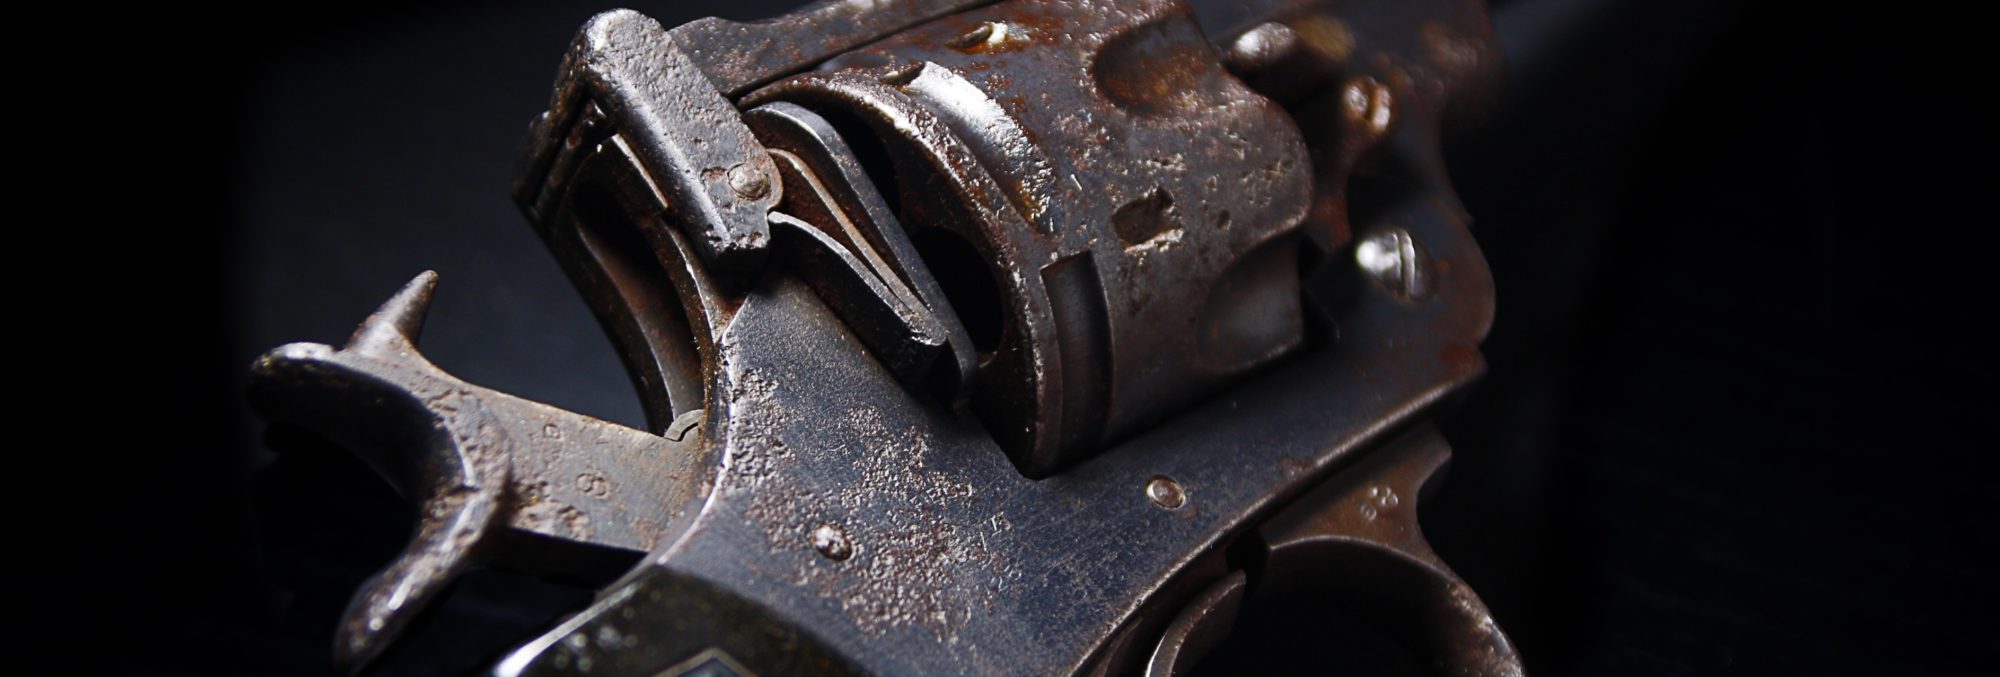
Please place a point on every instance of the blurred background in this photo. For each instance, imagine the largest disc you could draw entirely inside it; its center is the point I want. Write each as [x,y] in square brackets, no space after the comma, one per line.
[1740,373]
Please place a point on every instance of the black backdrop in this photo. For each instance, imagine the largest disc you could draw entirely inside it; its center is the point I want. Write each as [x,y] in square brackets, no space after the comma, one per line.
[1735,422]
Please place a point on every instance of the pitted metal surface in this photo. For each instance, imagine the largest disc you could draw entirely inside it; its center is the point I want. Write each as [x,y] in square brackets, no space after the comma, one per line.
[477,461]
[1132,200]
[970,338]
[693,144]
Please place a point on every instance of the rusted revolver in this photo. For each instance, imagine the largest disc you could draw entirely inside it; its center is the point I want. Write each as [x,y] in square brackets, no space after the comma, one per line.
[1032,336]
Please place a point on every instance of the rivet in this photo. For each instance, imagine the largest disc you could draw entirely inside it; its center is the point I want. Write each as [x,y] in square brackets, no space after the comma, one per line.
[1369,105]
[1261,47]
[749,182]
[1166,493]
[1391,257]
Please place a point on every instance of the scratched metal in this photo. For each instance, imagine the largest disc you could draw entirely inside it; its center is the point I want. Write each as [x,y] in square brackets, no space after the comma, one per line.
[715,178]
[1353,72]
[960,564]
[1133,201]
[806,508]
[1363,524]
[478,462]
[738,56]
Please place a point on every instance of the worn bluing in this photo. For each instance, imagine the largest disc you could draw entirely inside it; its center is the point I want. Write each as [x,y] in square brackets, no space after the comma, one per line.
[812,499]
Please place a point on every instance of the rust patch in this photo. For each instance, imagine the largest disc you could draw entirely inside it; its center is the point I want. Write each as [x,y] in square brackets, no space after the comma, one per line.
[988,36]
[1156,71]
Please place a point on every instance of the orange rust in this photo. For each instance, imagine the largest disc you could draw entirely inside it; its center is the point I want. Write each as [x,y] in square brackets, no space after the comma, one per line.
[1036,27]
[1150,71]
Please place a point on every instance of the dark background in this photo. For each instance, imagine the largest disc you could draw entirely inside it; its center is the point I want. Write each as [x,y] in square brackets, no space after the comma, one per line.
[1736,422]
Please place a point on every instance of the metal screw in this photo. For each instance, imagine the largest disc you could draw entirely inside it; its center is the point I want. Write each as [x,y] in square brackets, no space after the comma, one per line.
[1261,47]
[832,542]
[1391,257]
[1370,105]
[749,182]
[1166,493]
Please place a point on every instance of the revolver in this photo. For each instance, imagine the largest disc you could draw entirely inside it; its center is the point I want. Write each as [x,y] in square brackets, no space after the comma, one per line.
[1028,336]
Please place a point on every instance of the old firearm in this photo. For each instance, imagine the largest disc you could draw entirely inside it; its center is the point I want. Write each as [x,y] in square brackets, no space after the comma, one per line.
[1026,336]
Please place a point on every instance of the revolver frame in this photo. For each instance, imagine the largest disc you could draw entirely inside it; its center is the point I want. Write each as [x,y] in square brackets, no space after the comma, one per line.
[1214,353]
